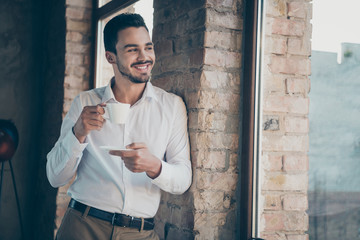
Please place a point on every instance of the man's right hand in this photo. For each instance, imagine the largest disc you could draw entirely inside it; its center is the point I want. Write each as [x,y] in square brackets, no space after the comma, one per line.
[90,119]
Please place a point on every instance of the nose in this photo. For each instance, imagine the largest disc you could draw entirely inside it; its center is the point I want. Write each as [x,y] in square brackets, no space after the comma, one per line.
[142,55]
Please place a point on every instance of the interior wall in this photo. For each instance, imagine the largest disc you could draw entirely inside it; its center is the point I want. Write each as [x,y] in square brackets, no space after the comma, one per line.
[31,93]
[52,74]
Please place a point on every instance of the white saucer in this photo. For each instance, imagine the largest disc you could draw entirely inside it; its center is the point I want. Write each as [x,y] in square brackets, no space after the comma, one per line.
[110,148]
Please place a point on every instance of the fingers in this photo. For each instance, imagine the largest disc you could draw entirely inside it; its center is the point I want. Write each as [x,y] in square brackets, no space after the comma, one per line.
[90,119]
[125,153]
[98,109]
[136,146]
[92,116]
[133,160]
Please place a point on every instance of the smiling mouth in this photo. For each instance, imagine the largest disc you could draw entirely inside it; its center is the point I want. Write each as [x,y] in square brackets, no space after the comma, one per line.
[142,65]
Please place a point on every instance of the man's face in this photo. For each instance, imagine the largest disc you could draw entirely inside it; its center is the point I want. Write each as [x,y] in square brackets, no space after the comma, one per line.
[135,55]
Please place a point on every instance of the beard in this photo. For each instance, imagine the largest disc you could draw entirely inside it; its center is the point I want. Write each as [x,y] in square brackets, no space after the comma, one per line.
[132,78]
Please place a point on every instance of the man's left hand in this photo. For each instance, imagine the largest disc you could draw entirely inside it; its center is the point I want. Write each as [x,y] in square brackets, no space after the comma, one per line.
[139,159]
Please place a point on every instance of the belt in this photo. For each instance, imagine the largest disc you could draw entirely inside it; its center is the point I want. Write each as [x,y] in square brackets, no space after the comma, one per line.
[117,219]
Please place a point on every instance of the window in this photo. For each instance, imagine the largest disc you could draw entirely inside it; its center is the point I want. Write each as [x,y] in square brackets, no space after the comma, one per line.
[107,9]
[334,152]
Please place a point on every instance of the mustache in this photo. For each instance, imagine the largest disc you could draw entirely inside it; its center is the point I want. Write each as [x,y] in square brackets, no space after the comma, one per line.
[145,62]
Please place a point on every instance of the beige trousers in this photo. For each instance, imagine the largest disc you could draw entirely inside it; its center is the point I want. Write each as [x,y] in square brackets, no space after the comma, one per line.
[78,226]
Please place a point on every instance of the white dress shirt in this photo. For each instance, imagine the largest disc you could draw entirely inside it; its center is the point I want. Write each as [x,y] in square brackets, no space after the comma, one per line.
[102,181]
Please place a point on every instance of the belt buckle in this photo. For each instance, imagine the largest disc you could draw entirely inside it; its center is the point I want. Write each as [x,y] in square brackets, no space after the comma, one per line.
[113,219]
[131,221]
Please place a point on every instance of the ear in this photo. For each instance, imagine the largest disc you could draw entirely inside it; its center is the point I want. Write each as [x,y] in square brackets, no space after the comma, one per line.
[110,57]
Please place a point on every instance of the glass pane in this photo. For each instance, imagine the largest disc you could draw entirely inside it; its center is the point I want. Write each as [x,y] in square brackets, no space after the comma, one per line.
[334,153]
[104,71]
[103,2]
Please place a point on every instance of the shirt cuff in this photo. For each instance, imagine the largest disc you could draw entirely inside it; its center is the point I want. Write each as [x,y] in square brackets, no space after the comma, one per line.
[164,178]
[72,145]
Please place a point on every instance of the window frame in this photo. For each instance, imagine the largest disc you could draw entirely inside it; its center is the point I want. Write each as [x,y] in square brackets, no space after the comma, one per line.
[100,13]
[250,144]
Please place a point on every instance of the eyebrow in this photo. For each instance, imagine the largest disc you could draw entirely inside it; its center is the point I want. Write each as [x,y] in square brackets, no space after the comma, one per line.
[135,45]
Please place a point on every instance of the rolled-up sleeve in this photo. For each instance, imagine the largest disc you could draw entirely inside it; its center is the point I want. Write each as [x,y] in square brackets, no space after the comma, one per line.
[65,156]
[176,173]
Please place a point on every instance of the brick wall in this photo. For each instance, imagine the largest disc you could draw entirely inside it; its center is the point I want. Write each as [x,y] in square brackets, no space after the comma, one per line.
[285,105]
[77,70]
[198,48]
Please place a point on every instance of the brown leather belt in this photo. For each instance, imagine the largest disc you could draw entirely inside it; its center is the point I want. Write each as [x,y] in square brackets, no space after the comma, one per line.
[117,219]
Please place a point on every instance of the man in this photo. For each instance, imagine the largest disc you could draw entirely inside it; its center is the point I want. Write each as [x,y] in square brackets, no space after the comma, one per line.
[116,193]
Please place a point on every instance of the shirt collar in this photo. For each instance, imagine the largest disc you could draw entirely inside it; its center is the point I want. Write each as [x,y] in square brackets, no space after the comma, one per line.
[149,92]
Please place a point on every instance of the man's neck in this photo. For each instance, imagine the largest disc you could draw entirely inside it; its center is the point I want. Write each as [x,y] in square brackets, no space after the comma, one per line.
[127,92]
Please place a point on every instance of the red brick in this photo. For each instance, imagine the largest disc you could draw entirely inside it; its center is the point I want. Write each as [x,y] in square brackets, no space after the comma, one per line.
[227,20]
[272,83]
[286,27]
[214,57]
[271,162]
[72,93]
[225,40]
[175,62]
[296,162]
[212,160]
[275,45]
[218,58]
[191,99]
[74,36]
[85,85]
[75,13]
[285,182]
[217,80]
[77,71]
[189,42]
[296,124]
[209,200]
[163,48]
[87,59]
[295,202]
[74,59]
[286,104]
[233,60]
[226,101]
[274,236]
[80,3]
[299,46]
[296,221]
[209,221]
[83,27]
[297,86]
[272,202]
[297,9]
[290,65]
[285,143]
[72,81]
[223,3]
[213,121]
[197,58]
[72,47]
[276,8]
[274,221]
[233,163]
[217,140]
[297,237]
[285,221]
[216,181]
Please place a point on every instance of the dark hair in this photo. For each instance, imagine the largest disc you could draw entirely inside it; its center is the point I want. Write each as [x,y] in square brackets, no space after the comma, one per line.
[117,24]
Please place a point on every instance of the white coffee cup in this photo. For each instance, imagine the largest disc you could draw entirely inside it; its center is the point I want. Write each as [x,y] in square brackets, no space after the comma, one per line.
[117,112]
